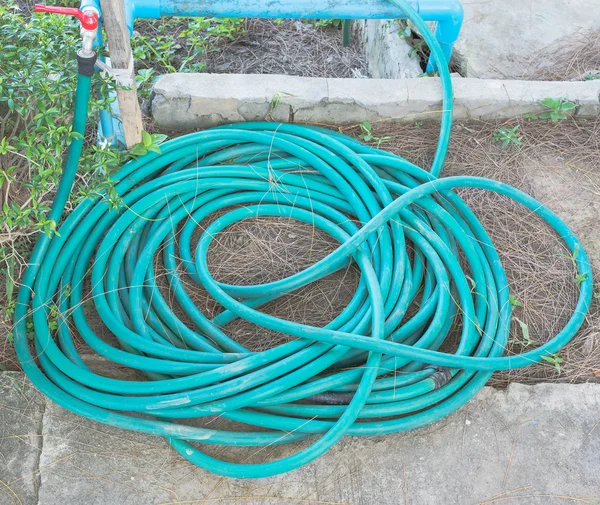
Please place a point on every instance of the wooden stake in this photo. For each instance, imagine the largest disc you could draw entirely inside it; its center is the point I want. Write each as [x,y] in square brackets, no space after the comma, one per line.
[121,57]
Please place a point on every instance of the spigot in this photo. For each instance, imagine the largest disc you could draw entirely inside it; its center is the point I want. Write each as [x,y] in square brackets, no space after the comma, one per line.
[88,18]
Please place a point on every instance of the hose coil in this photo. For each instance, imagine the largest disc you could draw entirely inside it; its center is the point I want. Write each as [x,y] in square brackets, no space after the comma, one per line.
[375,369]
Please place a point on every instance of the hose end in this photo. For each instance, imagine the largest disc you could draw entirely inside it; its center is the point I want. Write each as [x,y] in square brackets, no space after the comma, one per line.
[86,62]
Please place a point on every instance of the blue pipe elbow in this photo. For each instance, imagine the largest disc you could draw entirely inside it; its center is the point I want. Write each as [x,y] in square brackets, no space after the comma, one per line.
[449,15]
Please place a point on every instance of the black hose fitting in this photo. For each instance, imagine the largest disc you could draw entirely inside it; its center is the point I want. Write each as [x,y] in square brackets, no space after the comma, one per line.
[332,398]
[441,376]
[86,63]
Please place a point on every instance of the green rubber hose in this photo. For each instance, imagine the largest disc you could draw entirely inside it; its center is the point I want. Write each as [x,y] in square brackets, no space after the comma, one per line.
[376,368]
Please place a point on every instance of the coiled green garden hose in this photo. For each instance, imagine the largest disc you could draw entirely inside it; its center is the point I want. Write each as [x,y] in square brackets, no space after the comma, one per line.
[372,370]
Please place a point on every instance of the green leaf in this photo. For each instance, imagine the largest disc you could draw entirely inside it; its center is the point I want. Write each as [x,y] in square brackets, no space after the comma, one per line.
[551,103]
[568,106]
[514,302]
[138,150]
[525,332]
[10,272]
[553,359]
[159,138]
[146,139]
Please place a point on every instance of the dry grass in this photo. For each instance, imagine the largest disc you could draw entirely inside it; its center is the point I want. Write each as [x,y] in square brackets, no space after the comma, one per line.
[570,59]
[291,48]
[265,249]
[539,271]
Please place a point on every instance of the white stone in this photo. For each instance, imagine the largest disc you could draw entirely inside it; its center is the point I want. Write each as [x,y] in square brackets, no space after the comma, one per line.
[503,39]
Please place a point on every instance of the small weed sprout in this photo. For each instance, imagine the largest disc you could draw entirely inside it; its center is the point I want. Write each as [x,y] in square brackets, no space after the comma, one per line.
[553,359]
[275,101]
[558,107]
[527,340]
[144,80]
[367,134]
[150,142]
[514,302]
[508,136]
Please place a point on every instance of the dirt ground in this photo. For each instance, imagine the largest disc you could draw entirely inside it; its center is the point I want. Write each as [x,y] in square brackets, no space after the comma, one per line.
[290,47]
[559,163]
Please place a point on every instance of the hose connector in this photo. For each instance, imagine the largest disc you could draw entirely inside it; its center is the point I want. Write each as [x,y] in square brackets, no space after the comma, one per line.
[441,376]
[86,62]
[88,18]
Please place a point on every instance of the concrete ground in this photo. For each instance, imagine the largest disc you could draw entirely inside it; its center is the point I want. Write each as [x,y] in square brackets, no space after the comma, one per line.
[525,445]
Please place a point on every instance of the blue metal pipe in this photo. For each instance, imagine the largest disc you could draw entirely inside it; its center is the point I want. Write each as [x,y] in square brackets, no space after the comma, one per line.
[448,14]
[295,9]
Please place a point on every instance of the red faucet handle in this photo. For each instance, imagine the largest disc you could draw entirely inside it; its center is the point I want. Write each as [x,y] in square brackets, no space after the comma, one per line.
[88,21]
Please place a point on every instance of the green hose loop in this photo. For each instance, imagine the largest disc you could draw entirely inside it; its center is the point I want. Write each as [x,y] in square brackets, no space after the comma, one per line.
[370,371]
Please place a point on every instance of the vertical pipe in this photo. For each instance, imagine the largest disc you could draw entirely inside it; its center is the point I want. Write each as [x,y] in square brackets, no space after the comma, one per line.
[346,32]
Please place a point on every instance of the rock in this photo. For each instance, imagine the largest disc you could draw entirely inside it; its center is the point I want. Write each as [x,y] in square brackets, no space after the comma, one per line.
[502,40]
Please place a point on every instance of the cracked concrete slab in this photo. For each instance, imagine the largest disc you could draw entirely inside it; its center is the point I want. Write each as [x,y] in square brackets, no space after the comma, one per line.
[528,445]
[187,102]
[21,412]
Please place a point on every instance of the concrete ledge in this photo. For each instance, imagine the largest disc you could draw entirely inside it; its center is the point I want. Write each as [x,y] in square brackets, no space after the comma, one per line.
[187,102]
[528,445]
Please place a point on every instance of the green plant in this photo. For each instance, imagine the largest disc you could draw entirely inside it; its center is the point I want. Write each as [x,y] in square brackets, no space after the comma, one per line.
[327,23]
[526,340]
[508,136]
[181,44]
[38,72]
[417,49]
[558,108]
[553,359]
[149,143]
[367,134]
[143,81]
[274,103]
[514,302]
[404,29]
